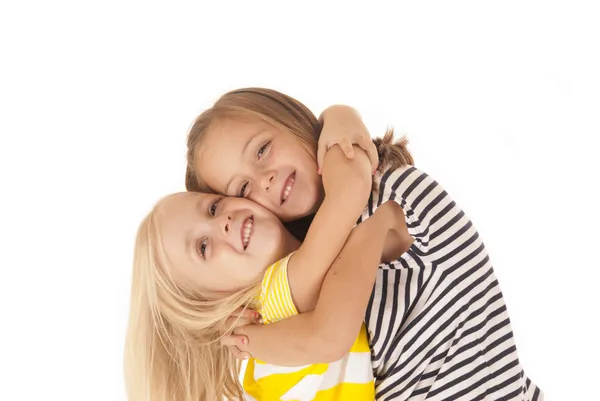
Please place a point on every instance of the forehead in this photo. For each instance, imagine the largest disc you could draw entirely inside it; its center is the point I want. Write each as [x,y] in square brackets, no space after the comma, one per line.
[230,135]
[177,216]
[237,125]
[177,206]
[219,156]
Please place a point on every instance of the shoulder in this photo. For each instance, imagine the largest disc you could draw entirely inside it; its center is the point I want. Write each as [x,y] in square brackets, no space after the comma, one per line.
[275,298]
[401,182]
[392,179]
[274,274]
[413,189]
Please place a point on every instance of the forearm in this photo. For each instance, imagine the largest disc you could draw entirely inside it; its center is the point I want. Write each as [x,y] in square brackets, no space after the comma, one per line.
[348,285]
[325,334]
[347,187]
[347,192]
[307,268]
[290,342]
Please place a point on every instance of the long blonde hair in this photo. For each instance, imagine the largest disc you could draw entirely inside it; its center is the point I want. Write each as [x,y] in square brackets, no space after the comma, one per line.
[172,349]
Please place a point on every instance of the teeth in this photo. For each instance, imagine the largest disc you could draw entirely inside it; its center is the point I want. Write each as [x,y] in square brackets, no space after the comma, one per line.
[247,230]
[288,188]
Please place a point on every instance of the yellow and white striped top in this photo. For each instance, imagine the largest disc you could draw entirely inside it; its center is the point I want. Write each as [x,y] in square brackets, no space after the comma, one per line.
[350,378]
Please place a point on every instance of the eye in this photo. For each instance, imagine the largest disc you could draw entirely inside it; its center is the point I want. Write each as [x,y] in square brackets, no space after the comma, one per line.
[202,248]
[243,188]
[262,150]
[212,208]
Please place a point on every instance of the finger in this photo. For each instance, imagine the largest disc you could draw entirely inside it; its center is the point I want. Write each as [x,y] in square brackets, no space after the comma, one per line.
[347,148]
[237,353]
[242,312]
[237,345]
[235,340]
[246,313]
[242,355]
[321,151]
[234,322]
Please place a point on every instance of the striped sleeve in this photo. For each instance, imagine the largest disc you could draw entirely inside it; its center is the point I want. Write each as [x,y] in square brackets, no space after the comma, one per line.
[423,200]
[276,296]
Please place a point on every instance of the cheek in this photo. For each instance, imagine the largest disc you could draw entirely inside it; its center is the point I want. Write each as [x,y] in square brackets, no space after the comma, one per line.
[312,174]
[267,250]
[263,200]
[308,164]
[292,149]
[313,179]
[224,256]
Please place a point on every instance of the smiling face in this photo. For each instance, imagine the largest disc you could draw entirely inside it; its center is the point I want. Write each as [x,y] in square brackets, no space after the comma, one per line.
[251,158]
[219,244]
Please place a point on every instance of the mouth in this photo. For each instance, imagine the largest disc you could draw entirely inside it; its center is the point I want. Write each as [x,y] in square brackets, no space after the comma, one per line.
[246,231]
[287,187]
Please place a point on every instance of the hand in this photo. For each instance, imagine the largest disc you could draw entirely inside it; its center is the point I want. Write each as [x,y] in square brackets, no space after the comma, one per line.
[238,344]
[343,126]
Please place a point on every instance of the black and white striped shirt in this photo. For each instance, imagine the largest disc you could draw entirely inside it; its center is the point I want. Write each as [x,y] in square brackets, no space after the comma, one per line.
[437,320]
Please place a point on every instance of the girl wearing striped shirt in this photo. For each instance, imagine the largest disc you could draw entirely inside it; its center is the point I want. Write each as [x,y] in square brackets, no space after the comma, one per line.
[437,322]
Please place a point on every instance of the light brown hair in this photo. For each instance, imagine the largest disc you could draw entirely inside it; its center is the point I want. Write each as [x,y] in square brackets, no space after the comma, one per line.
[282,111]
[288,115]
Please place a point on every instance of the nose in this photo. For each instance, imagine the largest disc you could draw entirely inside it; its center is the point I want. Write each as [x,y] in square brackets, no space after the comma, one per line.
[225,221]
[268,180]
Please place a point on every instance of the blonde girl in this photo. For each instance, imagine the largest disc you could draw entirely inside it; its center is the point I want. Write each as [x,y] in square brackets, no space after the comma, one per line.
[199,257]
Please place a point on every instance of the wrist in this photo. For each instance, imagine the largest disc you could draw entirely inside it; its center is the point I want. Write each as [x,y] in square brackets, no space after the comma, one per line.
[339,109]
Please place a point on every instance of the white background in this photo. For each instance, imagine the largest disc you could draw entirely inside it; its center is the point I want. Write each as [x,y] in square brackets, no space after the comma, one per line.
[500,100]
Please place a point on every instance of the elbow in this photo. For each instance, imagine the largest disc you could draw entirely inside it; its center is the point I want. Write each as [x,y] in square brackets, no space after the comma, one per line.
[339,108]
[334,353]
[331,347]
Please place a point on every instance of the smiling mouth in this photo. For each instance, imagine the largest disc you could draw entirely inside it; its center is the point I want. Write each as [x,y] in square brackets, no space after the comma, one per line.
[246,231]
[287,187]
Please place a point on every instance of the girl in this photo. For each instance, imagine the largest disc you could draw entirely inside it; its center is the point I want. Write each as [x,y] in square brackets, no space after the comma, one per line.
[200,256]
[437,321]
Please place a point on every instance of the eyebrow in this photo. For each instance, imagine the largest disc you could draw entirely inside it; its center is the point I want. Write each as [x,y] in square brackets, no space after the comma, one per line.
[256,135]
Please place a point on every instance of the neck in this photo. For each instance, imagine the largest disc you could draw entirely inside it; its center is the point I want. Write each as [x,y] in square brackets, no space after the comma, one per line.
[292,245]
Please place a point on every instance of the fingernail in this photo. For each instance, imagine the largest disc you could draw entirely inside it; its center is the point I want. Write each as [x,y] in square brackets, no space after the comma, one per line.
[374,171]
[245,356]
[244,341]
[256,315]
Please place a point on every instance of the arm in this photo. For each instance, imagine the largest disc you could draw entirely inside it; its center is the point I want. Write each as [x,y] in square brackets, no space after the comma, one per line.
[327,333]
[343,126]
[347,187]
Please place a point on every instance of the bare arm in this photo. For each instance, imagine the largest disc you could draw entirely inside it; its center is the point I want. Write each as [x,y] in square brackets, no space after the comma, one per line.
[343,126]
[326,333]
[347,187]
